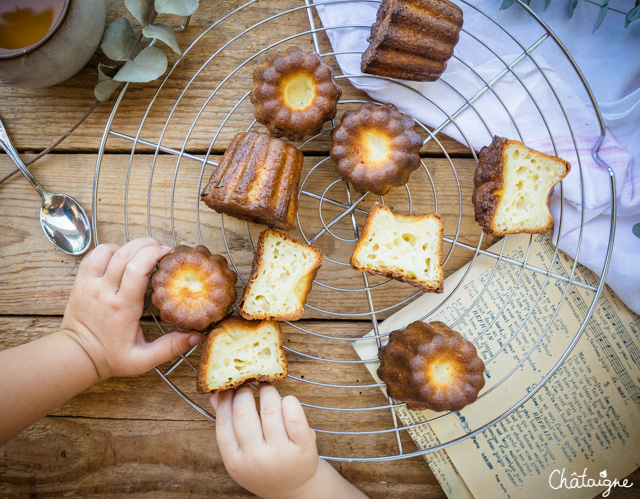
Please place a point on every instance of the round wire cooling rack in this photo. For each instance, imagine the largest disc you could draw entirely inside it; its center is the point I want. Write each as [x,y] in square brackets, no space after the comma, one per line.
[177,141]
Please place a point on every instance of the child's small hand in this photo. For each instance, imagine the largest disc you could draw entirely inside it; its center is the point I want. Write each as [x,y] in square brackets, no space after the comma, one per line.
[272,454]
[105,306]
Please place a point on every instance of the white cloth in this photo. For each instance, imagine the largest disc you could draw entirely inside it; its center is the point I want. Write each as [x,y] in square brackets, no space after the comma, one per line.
[551,110]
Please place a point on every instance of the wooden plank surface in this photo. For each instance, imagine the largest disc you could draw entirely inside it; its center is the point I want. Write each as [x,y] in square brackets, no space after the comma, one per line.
[66,102]
[134,436]
[27,254]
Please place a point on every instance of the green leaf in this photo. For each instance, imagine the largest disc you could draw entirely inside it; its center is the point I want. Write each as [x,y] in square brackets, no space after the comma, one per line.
[506,4]
[148,65]
[632,15]
[176,7]
[603,12]
[572,7]
[164,33]
[104,89]
[106,72]
[118,40]
[140,9]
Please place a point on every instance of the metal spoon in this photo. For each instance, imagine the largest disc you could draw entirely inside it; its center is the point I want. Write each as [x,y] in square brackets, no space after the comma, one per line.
[63,220]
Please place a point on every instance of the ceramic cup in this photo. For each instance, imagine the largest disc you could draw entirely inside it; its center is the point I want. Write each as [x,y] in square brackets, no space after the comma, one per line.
[67,47]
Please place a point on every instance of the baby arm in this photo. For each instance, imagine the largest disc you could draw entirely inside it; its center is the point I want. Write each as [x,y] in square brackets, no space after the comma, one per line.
[273,454]
[100,337]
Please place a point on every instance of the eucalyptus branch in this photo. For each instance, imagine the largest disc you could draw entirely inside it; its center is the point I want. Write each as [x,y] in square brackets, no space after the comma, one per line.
[120,43]
[632,15]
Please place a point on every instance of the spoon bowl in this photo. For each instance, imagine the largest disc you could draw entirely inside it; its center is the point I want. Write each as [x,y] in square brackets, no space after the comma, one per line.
[63,220]
[65,223]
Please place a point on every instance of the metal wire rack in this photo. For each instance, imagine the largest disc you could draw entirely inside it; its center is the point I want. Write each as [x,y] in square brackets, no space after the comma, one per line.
[199,110]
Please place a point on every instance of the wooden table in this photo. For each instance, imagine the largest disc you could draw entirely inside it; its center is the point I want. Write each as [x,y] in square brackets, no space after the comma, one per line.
[134,436]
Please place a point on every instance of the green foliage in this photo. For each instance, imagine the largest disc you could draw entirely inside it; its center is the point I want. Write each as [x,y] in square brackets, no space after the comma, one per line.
[120,43]
[631,16]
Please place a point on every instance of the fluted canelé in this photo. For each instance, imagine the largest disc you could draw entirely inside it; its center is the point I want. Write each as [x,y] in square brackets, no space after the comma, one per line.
[294,93]
[257,180]
[412,39]
[431,366]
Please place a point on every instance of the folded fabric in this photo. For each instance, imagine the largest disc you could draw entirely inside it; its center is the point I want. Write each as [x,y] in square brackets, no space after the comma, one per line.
[540,101]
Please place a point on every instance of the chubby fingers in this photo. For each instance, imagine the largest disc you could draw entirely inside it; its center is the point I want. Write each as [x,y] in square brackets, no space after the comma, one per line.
[124,256]
[222,403]
[271,414]
[135,276]
[95,263]
[246,421]
[296,424]
[167,347]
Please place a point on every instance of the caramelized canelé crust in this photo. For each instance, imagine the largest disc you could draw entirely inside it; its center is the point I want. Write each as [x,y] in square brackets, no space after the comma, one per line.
[512,188]
[412,39]
[376,148]
[237,351]
[294,93]
[257,180]
[431,366]
[193,288]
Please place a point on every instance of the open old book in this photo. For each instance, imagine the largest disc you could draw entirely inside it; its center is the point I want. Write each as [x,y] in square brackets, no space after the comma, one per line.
[580,431]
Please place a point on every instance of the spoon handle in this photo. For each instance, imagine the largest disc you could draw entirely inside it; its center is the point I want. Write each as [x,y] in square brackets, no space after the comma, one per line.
[8,147]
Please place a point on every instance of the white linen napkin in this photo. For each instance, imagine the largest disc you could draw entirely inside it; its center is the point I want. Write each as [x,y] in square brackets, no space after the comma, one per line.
[541,102]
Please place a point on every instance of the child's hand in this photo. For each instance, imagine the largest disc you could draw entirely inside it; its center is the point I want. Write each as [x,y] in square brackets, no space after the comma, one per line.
[105,306]
[272,454]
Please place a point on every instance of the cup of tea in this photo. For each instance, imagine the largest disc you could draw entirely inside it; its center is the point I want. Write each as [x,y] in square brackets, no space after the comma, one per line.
[45,42]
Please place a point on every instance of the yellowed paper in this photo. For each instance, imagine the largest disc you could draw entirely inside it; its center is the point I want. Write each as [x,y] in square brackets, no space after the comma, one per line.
[586,417]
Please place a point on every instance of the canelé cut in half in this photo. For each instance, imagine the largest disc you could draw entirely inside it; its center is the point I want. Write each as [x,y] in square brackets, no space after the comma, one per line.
[512,187]
[376,148]
[282,273]
[294,93]
[257,180]
[431,366]
[407,248]
[193,288]
[412,39]
[237,351]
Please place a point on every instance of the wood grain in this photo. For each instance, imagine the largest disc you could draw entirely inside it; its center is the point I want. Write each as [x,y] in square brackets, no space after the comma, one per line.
[66,102]
[134,436]
[46,276]
[90,457]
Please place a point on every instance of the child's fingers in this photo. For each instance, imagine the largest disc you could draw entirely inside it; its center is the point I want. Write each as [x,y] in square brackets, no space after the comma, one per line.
[271,414]
[245,418]
[296,422]
[225,434]
[135,277]
[95,264]
[167,347]
[123,256]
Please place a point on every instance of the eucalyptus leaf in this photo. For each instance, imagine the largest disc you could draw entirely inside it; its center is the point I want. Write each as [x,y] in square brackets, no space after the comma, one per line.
[176,7]
[106,72]
[603,12]
[148,65]
[140,9]
[118,40]
[164,33]
[572,7]
[632,15]
[104,89]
